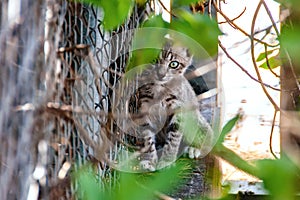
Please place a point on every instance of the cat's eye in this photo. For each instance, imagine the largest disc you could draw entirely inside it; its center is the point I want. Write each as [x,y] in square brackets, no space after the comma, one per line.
[173,64]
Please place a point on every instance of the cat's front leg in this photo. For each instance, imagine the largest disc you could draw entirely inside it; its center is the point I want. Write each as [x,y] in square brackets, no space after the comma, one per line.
[203,139]
[171,148]
[148,154]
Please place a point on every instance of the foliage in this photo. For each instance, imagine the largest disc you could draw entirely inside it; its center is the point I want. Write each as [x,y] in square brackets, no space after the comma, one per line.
[290,42]
[271,61]
[131,186]
[227,128]
[290,34]
[179,3]
[120,9]
[192,30]
[281,177]
[199,28]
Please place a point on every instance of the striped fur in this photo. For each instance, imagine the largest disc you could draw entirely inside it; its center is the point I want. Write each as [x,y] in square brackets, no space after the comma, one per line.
[161,93]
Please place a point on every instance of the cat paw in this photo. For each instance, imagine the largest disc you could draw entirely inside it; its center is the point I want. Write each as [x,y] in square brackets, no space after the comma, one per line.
[146,165]
[193,153]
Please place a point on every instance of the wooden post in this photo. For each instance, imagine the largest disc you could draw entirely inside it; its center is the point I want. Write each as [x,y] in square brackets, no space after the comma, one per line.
[289,92]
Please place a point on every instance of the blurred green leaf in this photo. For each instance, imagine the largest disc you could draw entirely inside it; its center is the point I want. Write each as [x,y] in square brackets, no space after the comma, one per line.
[295,4]
[281,177]
[88,186]
[194,132]
[167,178]
[145,186]
[155,21]
[131,186]
[234,159]
[142,57]
[178,3]
[190,128]
[272,63]
[147,42]
[115,11]
[227,128]
[289,39]
[201,28]
[141,2]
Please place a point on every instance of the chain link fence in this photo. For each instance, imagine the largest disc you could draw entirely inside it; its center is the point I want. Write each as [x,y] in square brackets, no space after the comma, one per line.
[58,71]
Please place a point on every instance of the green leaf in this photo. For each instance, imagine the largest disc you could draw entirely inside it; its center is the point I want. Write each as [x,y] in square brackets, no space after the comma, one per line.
[88,186]
[289,39]
[234,159]
[280,177]
[272,63]
[200,28]
[263,55]
[166,178]
[115,11]
[129,188]
[190,128]
[140,58]
[144,186]
[227,128]
[130,185]
[147,42]
[155,21]
[273,59]
[294,4]
[177,3]
[141,2]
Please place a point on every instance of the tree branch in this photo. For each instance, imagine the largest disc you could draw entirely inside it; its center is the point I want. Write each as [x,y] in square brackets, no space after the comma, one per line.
[276,107]
[244,70]
[235,26]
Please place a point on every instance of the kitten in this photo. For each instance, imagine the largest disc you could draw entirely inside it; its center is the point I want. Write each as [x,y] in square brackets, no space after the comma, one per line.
[157,100]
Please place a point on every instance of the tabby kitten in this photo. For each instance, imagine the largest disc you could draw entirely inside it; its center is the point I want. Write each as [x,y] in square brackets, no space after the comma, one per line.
[158,98]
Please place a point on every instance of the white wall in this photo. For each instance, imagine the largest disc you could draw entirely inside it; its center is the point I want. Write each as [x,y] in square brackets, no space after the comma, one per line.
[242,94]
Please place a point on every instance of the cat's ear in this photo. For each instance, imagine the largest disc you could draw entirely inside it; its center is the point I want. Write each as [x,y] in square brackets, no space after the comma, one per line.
[167,48]
[188,56]
[168,42]
[189,53]
[168,45]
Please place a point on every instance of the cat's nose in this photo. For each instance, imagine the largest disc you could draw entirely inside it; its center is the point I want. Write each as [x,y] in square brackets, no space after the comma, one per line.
[160,76]
[161,73]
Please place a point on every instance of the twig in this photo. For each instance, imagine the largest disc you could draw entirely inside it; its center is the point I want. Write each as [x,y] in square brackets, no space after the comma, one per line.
[271,135]
[234,25]
[276,107]
[168,11]
[244,70]
[73,48]
[271,18]
[277,32]
[209,8]
[234,18]
[268,63]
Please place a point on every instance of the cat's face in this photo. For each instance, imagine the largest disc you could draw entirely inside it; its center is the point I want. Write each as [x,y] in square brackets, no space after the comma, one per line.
[172,63]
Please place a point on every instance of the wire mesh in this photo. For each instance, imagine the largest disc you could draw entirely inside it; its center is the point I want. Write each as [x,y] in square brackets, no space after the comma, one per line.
[59,69]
